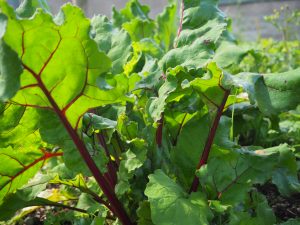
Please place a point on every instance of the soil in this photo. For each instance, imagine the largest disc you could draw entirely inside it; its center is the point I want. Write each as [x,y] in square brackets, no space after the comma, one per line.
[284,207]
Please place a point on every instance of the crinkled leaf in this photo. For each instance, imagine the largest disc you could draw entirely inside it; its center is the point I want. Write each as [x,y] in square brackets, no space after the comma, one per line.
[210,87]
[102,32]
[28,7]
[151,75]
[167,26]
[157,105]
[202,27]
[121,51]
[116,43]
[133,9]
[132,160]
[139,29]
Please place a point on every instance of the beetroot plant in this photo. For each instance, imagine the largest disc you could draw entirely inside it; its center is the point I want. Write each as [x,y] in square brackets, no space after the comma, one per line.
[133,120]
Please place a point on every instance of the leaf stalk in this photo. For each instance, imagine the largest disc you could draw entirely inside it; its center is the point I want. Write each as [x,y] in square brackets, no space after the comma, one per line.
[209,140]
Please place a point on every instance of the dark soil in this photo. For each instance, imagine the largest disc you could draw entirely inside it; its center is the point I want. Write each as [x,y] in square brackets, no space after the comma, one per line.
[284,207]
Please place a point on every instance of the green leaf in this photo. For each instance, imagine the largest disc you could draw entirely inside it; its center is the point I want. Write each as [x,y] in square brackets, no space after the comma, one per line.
[121,51]
[10,71]
[10,66]
[132,160]
[22,164]
[102,32]
[291,222]
[202,27]
[19,200]
[133,9]
[171,205]
[210,87]
[287,184]
[144,214]
[167,26]
[60,71]
[157,105]
[99,122]
[20,146]
[151,75]
[139,29]
[229,53]
[273,93]
[17,123]
[188,150]
[230,174]
[257,211]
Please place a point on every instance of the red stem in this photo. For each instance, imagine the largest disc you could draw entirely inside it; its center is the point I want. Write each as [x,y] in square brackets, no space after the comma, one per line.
[159,131]
[116,205]
[179,130]
[180,23]
[209,140]
[112,172]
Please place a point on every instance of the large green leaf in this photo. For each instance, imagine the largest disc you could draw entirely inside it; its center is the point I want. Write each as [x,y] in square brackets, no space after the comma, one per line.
[20,147]
[171,205]
[230,174]
[273,93]
[21,165]
[61,64]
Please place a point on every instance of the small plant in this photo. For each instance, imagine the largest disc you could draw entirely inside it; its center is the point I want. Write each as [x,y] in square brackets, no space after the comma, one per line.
[286,21]
[136,121]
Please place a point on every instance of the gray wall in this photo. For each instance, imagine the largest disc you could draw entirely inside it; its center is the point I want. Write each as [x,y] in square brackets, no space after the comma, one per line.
[248,22]
[93,7]
[248,18]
